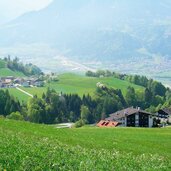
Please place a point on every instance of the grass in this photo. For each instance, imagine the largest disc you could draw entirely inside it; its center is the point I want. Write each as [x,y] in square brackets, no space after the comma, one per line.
[7,72]
[2,64]
[72,83]
[19,95]
[35,90]
[4,71]
[26,146]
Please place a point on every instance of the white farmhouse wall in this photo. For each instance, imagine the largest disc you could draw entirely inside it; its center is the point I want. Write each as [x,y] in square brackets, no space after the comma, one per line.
[137,119]
[150,121]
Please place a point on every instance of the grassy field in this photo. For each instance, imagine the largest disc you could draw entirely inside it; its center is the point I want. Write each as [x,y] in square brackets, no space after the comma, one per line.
[26,146]
[7,72]
[2,64]
[35,90]
[19,95]
[4,71]
[72,83]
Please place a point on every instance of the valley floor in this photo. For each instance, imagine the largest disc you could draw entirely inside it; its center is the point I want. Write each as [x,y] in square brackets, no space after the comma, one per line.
[28,146]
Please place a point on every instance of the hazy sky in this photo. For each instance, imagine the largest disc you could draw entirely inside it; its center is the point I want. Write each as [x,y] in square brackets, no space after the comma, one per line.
[10,9]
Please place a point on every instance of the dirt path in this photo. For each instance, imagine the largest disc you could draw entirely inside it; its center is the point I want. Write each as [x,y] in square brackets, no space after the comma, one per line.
[64,125]
[24,92]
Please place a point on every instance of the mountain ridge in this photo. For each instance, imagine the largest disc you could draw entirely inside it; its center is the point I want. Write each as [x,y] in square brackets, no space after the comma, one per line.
[83,30]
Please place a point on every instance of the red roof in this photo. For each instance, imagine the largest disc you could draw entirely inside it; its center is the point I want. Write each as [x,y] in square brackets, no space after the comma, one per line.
[104,123]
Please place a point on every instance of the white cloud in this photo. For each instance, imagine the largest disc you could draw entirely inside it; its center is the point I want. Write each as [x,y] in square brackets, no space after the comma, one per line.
[10,9]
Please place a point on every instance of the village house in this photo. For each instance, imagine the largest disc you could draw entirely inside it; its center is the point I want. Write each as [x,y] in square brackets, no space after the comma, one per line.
[6,82]
[131,117]
[39,84]
[30,82]
[18,81]
[25,83]
[164,115]
[10,81]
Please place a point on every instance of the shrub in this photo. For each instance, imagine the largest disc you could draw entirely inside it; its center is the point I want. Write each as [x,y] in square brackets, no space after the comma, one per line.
[15,116]
[1,117]
[79,123]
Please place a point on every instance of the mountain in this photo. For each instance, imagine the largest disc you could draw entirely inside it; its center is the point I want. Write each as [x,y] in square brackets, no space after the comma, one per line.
[90,32]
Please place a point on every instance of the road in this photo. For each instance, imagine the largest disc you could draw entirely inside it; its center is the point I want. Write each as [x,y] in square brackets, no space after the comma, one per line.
[24,92]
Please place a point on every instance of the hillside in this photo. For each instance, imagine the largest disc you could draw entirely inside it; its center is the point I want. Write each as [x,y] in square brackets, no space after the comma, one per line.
[14,67]
[4,71]
[7,72]
[26,146]
[73,83]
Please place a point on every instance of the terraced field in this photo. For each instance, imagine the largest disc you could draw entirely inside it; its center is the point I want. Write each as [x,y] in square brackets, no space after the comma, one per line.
[27,146]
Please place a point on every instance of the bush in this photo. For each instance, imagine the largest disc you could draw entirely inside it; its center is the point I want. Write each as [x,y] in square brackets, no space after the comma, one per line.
[1,117]
[79,123]
[15,116]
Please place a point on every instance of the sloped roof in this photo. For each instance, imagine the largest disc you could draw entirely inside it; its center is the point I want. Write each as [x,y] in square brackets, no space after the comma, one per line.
[166,110]
[129,111]
[105,123]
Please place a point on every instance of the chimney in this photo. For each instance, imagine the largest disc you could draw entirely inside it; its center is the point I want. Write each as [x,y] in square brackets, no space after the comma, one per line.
[125,112]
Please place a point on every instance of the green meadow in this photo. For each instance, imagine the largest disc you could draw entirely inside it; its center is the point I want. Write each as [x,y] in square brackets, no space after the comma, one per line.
[2,64]
[69,83]
[4,72]
[19,95]
[72,83]
[28,146]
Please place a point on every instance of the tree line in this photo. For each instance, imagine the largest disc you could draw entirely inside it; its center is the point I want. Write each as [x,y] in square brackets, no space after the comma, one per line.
[8,104]
[57,108]
[153,89]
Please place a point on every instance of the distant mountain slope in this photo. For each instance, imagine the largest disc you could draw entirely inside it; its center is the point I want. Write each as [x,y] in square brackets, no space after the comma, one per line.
[100,30]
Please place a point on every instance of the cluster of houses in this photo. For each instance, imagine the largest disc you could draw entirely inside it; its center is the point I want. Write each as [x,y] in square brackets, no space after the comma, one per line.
[11,82]
[135,117]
